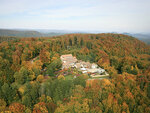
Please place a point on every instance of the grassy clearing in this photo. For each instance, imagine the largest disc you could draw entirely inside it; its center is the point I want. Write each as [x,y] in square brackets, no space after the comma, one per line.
[104,77]
[69,77]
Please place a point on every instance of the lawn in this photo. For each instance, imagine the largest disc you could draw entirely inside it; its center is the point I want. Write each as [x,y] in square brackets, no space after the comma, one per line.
[69,77]
[105,77]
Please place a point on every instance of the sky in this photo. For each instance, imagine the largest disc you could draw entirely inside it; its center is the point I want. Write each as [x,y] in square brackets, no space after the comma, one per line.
[84,15]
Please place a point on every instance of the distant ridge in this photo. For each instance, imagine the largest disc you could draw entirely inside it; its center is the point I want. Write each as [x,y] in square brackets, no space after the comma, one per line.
[49,33]
[26,33]
[143,37]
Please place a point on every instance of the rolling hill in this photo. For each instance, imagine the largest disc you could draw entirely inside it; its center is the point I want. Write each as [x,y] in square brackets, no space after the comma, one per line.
[26,33]
[143,37]
[49,33]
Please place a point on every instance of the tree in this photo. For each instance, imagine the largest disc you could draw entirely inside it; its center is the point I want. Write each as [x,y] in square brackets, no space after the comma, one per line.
[61,77]
[17,108]
[97,37]
[114,61]
[2,105]
[75,41]
[44,56]
[70,42]
[8,93]
[80,80]
[81,42]
[51,107]
[5,70]
[53,66]
[40,108]
[40,78]
[31,93]
[89,45]
[46,99]
[38,64]
[27,100]
[148,90]
[24,75]
[125,108]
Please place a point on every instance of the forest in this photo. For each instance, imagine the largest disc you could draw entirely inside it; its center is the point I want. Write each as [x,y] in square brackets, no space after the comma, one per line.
[31,79]
[6,33]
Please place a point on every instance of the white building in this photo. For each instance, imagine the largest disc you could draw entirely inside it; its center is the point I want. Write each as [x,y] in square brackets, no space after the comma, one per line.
[94,66]
[86,67]
[68,61]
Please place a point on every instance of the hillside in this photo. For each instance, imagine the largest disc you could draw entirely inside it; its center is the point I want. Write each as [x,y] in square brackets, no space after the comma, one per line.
[32,78]
[4,32]
[49,33]
[26,33]
[143,37]
[7,38]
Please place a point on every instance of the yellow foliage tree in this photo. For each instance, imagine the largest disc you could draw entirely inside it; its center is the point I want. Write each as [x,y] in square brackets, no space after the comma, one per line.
[61,77]
[2,105]
[38,64]
[40,78]
[21,89]
[46,99]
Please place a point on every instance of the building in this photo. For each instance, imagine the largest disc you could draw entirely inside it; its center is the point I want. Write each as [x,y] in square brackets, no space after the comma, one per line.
[96,70]
[78,65]
[85,67]
[94,66]
[68,61]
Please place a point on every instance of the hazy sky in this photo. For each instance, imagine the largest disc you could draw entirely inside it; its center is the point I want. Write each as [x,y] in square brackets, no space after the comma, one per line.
[87,15]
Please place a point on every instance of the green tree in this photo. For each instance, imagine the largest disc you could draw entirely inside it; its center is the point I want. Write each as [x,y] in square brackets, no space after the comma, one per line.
[70,42]
[27,100]
[8,93]
[81,42]
[148,90]
[80,80]
[53,66]
[97,37]
[23,76]
[75,41]
[89,45]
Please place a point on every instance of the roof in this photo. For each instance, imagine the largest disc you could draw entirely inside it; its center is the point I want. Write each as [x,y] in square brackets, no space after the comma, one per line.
[92,70]
[68,55]
[85,64]
[78,65]
[94,64]
[68,60]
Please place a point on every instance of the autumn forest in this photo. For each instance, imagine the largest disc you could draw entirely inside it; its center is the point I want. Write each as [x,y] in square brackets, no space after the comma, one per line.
[32,79]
